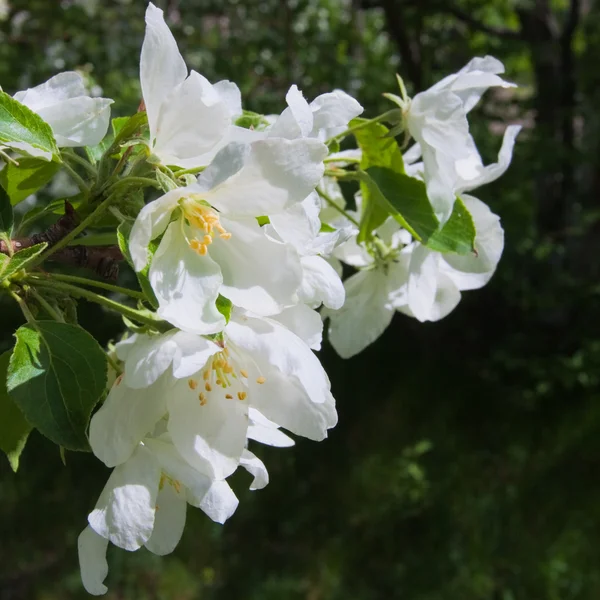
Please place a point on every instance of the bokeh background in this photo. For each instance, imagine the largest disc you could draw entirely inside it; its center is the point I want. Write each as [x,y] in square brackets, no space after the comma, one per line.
[466,462]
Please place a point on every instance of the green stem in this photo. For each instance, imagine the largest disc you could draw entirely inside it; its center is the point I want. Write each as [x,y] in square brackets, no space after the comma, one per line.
[143,181]
[126,311]
[96,239]
[23,306]
[81,184]
[46,306]
[337,207]
[92,283]
[386,115]
[71,155]
[191,171]
[113,363]
[73,233]
[349,159]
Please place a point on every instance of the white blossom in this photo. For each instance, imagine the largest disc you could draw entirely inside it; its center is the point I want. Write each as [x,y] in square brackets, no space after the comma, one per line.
[437,120]
[76,119]
[189,118]
[216,245]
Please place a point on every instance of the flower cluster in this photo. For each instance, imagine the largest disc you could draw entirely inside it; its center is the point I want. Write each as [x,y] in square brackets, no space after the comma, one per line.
[399,273]
[241,297]
[239,262]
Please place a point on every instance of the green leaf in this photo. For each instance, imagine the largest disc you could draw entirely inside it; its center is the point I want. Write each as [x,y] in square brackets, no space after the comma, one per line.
[22,258]
[264,220]
[26,178]
[21,126]
[57,374]
[380,151]
[123,233]
[224,306]
[14,428]
[6,214]
[126,127]
[458,234]
[408,199]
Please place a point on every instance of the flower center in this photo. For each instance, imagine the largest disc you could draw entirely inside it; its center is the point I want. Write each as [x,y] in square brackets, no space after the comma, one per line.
[222,375]
[203,218]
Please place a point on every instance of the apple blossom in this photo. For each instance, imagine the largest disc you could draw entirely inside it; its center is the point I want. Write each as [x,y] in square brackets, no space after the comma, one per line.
[216,245]
[76,119]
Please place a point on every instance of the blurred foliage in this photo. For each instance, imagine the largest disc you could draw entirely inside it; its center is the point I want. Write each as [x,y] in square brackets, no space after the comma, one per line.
[465,464]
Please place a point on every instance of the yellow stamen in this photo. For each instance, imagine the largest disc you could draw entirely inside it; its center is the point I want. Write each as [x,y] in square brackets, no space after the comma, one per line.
[206,375]
[228,368]
[261,379]
[202,398]
[219,382]
[242,395]
[229,396]
[193,384]
[207,387]
[244,373]
[225,236]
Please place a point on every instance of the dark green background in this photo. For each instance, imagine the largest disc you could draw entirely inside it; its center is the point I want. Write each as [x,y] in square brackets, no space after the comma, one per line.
[467,458]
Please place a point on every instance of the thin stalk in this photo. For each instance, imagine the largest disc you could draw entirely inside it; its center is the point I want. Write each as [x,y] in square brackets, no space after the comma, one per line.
[23,306]
[72,155]
[338,208]
[81,184]
[349,159]
[351,130]
[139,180]
[191,171]
[113,363]
[126,311]
[46,306]
[96,239]
[92,283]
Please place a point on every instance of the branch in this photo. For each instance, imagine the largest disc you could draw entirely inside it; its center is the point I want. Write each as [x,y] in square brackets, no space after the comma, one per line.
[103,260]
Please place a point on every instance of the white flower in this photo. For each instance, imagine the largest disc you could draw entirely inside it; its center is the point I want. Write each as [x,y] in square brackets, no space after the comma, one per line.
[326,116]
[189,118]
[216,244]
[437,120]
[262,366]
[435,280]
[371,293]
[144,504]
[300,226]
[76,119]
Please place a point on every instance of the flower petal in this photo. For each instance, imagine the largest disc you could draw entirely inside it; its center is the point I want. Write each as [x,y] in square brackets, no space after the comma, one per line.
[57,89]
[332,113]
[162,67]
[422,281]
[365,315]
[264,177]
[275,348]
[125,418]
[264,431]
[76,122]
[296,121]
[186,284]
[192,354]
[320,284]
[259,274]
[151,221]
[210,435]
[169,522]
[473,174]
[257,468]
[230,95]
[92,548]
[124,513]
[305,322]
[191,122]
[447,297]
